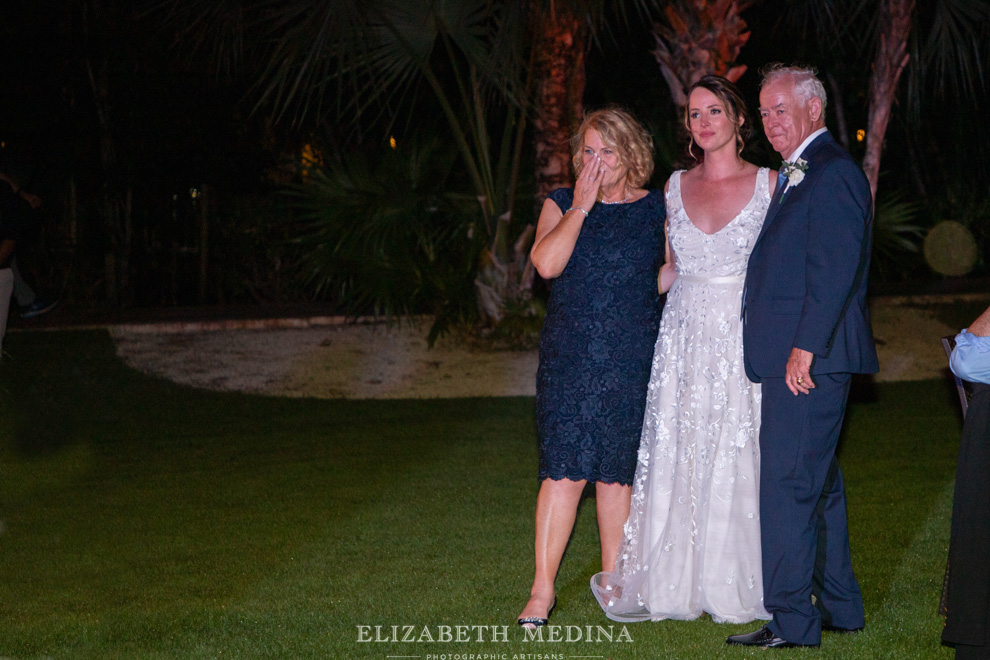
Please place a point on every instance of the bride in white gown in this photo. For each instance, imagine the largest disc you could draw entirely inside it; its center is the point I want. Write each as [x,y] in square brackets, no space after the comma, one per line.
[692,540]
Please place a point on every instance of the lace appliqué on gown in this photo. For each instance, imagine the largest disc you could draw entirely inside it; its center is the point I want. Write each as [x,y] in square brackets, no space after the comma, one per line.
[692,540]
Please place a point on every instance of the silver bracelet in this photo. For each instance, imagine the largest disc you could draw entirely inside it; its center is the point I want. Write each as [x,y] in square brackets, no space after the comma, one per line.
[577,208]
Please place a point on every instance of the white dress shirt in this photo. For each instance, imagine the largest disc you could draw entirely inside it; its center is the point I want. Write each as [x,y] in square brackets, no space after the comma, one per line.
[808,140]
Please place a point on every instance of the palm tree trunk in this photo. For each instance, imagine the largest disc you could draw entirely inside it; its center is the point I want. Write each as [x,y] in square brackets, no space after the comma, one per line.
[558,68]
[838,110]
[95,17]
[561,39]
[110,207]
[891,58]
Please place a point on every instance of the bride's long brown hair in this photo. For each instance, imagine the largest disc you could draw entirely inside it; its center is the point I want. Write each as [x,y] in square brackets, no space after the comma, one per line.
[735,108]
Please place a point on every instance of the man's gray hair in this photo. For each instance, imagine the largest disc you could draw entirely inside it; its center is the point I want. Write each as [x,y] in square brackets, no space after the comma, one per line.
[806,83]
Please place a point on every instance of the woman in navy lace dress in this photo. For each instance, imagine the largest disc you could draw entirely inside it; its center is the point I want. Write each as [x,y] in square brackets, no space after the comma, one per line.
[601,244]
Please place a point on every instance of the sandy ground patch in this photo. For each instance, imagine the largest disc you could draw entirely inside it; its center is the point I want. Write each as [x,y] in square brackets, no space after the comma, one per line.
[353,361]
[362,361]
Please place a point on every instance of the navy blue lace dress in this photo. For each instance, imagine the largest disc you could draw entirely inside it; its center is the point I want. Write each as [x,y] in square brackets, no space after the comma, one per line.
[596,347]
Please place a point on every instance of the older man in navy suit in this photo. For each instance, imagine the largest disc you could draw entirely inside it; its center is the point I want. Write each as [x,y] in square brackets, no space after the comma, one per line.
[806,331]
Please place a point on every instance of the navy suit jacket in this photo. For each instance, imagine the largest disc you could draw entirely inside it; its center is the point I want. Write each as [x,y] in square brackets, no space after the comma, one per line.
[806,279]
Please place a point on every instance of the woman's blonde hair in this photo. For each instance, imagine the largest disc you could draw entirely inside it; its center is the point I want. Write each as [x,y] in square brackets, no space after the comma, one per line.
[619,131]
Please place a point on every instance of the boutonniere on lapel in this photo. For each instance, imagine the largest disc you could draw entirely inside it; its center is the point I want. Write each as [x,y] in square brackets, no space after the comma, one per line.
[794,173]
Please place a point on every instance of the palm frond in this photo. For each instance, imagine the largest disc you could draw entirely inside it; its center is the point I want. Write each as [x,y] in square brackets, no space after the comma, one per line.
[956,46]
[828,26]
[213,32]
[379,232]
[896,235]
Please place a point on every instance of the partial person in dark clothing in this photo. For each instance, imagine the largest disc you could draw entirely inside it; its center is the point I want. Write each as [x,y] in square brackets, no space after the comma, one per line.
[806,331]
[967,624]
[9,227]
[601,244]
[27,300]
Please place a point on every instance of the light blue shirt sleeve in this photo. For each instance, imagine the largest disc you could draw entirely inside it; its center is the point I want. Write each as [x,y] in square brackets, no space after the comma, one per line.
[970,359]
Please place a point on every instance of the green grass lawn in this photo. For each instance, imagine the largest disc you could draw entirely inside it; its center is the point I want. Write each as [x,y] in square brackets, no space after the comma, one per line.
[141,519]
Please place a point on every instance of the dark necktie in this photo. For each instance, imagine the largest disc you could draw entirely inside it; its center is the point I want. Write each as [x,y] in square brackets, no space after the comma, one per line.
[781,181]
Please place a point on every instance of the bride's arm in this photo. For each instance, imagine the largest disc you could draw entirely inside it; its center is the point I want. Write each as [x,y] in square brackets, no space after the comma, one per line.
[668,272]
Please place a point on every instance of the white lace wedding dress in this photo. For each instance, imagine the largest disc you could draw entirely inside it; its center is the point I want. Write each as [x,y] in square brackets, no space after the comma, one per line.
[692,541]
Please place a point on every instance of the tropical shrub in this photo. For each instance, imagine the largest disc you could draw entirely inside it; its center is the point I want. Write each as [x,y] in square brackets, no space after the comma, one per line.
[380,232]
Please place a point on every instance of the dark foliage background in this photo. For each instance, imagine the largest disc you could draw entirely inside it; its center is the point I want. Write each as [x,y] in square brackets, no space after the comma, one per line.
[144,157]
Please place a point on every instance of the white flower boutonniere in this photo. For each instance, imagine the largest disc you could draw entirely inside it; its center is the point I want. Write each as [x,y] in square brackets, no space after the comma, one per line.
[794,172]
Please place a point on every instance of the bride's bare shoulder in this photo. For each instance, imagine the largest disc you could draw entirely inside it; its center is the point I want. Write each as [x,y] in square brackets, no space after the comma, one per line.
[683,175]
[750,169]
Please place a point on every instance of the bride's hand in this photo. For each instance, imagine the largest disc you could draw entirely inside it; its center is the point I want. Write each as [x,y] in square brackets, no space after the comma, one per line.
[588,184]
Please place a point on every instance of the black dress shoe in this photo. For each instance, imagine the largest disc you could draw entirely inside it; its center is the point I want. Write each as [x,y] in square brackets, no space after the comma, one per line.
[533,622]
[763,637]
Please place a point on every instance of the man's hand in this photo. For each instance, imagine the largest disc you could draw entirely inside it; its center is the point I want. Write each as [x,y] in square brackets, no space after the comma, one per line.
[798,376]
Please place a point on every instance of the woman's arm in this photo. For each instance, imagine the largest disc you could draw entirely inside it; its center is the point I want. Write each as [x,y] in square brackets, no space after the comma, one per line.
[970,359]
[557,231]
[556,236]
[981,326]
